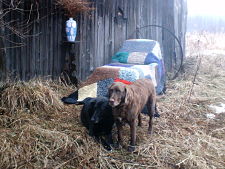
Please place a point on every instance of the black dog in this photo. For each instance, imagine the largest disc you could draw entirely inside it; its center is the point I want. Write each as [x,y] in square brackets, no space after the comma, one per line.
[96,116]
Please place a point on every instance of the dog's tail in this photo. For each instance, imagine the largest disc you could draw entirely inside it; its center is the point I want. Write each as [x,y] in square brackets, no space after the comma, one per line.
[68,100]
[72,99]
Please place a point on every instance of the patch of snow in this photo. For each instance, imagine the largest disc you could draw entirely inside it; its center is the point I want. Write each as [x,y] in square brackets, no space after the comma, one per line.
[218,109]
[210,116]
[213,52]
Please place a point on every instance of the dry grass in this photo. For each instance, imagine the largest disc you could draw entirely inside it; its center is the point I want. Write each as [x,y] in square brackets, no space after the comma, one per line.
[207,41]
[37,131]
[73,7]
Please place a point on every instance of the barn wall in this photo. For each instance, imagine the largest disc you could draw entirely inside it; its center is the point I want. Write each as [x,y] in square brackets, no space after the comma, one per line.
[115,21]
[101,32]
[33,39]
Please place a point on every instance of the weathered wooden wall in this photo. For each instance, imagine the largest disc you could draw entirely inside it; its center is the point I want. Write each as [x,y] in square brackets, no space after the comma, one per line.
[100,34]
[112,22]
[32,37]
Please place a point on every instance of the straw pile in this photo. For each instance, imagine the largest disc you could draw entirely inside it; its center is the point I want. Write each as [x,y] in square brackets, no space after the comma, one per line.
[73,7]
[37,131]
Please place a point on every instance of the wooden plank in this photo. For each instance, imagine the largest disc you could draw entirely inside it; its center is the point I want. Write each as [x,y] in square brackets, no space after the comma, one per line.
[32,55]
[92,39]
[111,28]
[101,37]
[84,61]
[16,51]
[58,42]
[96,35]
[41,43]
[78,60]
[107,56]
[36,52]
[52,61]
[46,43]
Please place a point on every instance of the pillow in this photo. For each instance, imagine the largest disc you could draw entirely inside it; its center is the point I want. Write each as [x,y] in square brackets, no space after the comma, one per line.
[120,57]
[137,57]
[142,58]
[87,91]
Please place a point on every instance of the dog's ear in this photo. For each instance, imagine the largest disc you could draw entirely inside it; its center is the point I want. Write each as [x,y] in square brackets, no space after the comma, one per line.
[127,95]
[110,86]
[89,104]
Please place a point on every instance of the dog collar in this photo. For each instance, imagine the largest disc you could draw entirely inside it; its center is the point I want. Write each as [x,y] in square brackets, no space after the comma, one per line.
[123,81]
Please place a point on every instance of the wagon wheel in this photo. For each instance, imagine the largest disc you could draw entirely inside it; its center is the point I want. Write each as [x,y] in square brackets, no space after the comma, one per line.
[177,67]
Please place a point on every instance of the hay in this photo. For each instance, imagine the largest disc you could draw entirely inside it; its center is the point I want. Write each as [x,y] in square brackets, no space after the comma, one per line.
[73,7]
[38,131]
[32,96]
[52,136]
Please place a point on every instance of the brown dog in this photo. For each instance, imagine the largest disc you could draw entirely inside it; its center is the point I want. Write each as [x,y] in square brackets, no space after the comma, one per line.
[128,101]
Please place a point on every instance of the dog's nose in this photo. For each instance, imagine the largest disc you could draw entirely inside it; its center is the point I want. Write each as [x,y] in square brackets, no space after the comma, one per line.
[111,101]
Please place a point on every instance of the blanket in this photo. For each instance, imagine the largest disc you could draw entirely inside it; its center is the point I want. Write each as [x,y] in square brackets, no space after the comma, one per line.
[98,82]
[137,59]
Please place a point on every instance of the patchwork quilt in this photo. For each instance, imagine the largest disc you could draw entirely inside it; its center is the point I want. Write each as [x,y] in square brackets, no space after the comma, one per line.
[137,59]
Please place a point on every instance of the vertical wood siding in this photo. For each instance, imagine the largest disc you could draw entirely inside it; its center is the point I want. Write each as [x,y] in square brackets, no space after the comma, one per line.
[101,33]
[41,51]
[115,21]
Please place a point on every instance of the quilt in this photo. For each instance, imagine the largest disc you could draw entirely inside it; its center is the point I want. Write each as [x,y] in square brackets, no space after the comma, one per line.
[136,59]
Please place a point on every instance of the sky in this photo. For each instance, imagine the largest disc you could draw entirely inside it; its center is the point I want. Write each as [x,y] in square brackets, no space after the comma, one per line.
[206,7]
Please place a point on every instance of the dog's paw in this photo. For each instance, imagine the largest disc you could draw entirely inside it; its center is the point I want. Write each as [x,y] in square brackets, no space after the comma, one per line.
[150,132]
[130,148]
